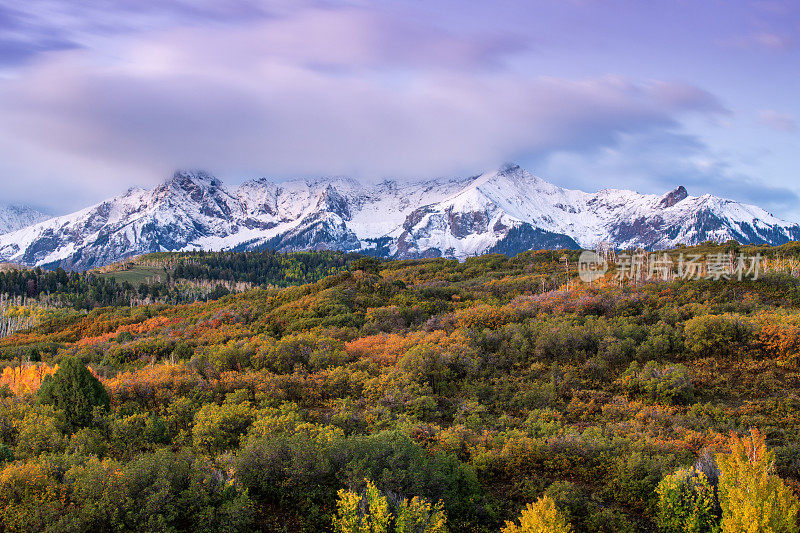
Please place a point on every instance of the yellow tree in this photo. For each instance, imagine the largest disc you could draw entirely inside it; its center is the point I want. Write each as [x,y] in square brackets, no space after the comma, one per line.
[22,379]
[357,513]
[417,515]
[541,516]
[368,512]
[753,499]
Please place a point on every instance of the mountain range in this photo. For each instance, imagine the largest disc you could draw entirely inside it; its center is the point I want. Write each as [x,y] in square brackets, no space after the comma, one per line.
[508,210]
[14,217]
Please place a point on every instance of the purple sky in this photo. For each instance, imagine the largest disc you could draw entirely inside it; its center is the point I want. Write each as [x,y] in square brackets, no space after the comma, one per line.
[96,96]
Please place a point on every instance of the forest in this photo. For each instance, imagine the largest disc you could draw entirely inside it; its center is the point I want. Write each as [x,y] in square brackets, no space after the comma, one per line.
[497,394]
[169,277]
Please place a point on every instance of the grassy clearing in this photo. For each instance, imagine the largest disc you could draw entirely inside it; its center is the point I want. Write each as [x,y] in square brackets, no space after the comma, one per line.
[136,275]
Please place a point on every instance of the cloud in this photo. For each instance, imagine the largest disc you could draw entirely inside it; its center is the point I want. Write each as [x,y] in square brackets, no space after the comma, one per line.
[320,91]
[777,121]
[685,95]
[35,26]
[658,161]
[764,40]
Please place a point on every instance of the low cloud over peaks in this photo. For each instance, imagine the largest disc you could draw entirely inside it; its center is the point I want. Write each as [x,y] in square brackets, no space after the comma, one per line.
[343,97]
[94,98]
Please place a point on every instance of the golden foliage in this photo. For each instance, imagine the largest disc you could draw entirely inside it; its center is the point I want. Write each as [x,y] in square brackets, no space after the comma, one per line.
[25,379]
[540,516]
[753,499]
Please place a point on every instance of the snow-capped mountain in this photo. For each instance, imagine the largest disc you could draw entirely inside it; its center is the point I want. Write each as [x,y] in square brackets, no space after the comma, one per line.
[507,211]
[14,217]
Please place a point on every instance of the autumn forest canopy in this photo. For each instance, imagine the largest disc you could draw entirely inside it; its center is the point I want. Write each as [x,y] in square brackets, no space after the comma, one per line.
[332,392]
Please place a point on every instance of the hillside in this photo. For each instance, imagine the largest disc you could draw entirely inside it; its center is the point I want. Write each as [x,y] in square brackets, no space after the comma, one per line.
[167,278]
[483,384]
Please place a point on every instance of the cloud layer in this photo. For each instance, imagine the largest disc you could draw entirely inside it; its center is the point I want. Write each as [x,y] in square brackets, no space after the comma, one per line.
[322,91]
[94,99]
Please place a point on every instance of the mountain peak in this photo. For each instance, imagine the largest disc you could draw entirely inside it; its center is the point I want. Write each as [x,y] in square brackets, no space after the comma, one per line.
[191,182]
[674,196]
[507,210]
[513,176]
[197,176]
[508,168]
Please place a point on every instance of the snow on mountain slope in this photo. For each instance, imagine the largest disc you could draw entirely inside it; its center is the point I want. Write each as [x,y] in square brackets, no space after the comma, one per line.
[505,211]
[14,217]
[489,209]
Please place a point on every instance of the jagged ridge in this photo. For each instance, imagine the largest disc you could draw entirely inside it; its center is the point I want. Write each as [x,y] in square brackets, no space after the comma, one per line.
[506,211]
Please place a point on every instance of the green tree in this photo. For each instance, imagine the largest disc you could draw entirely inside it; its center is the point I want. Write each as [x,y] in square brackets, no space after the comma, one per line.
[687,503]
[219,427]
[6,454]
[718,335]
[367,264]
[39,433]
[74,390]
[162,491]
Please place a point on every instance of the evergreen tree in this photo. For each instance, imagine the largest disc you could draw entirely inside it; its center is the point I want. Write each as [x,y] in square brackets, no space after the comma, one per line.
[74,390]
